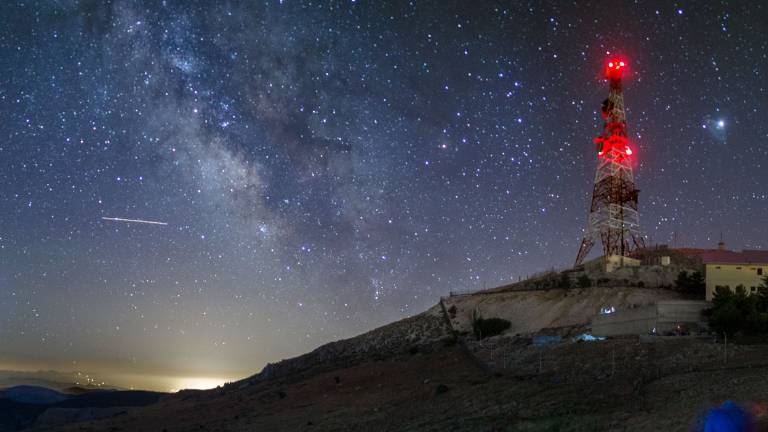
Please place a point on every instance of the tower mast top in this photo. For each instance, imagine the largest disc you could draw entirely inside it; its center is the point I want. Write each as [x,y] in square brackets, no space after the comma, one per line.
[614,69]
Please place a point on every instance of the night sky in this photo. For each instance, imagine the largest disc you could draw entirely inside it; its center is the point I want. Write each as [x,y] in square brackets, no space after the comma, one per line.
[327,167]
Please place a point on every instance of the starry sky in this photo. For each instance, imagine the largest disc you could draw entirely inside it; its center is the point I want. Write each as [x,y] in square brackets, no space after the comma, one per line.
[325,167]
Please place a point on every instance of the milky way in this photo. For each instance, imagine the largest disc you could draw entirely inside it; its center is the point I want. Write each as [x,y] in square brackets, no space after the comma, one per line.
[327,167]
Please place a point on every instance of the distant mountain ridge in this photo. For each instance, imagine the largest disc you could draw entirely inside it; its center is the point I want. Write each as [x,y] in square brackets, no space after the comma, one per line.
[33,395]
[54,380]
[25,406]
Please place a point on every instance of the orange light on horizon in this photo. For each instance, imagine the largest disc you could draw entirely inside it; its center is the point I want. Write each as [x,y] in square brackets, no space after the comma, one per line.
[196,383]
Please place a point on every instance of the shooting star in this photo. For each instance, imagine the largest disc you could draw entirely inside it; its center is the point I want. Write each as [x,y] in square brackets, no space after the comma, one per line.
[134,221]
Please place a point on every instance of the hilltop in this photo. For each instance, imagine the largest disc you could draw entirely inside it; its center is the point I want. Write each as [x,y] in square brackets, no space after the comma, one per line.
[430,372]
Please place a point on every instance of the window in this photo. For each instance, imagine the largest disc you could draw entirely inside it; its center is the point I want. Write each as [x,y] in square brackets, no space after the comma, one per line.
[760,271]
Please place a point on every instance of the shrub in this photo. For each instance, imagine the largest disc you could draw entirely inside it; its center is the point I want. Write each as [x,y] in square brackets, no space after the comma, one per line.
[487,327]
[564,281]
[682,280]
[584,281]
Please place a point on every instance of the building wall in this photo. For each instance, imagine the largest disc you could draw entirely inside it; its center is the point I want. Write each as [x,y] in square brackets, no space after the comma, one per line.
[615,262]
[610,263]
[649,275]
[733,275]
[688,313]
[663,316]
[639,320]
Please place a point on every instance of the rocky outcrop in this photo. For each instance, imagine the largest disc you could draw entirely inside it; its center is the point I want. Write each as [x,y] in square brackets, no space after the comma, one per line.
[408,336]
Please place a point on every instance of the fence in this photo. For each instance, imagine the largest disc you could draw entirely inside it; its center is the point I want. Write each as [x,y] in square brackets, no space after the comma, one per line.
[604,360]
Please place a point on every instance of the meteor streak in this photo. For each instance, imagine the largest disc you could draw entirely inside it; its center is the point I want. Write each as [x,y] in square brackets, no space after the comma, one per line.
[134,221]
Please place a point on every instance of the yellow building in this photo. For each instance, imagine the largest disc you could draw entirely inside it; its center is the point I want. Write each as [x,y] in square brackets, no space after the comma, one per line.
[730,269]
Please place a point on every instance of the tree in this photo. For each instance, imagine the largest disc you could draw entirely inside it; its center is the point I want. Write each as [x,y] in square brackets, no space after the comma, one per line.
[725,316]
[762,296]
[564,281]
[693,283]
[697,284]
[737,312]
[682,281]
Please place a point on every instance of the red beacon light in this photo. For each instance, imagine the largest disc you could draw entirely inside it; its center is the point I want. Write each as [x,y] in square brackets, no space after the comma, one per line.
[616,146]
[615,69]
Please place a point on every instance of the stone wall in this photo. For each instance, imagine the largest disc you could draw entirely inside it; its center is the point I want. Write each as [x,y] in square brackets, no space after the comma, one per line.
[649,276]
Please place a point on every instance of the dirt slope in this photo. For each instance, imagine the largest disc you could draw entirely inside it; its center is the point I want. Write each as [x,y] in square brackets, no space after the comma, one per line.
[652,388]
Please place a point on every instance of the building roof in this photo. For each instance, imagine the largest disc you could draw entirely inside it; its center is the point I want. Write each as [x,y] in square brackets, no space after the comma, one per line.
[733,257]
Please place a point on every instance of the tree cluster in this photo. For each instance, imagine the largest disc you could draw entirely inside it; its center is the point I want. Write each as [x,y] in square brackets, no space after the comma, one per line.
[692,283]
[737,312]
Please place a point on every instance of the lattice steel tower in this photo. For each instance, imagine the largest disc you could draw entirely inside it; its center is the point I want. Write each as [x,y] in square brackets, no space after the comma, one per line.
[613,217]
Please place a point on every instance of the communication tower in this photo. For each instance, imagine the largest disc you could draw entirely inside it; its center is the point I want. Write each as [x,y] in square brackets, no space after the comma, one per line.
[613,217]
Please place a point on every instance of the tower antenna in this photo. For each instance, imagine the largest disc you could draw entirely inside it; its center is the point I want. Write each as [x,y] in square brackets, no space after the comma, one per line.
[613,217]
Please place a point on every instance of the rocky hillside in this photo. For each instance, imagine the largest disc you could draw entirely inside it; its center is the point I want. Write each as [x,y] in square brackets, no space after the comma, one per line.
[420,332]
[419,374]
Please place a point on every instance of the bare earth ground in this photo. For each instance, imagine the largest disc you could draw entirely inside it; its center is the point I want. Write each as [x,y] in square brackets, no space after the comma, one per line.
[414,375]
